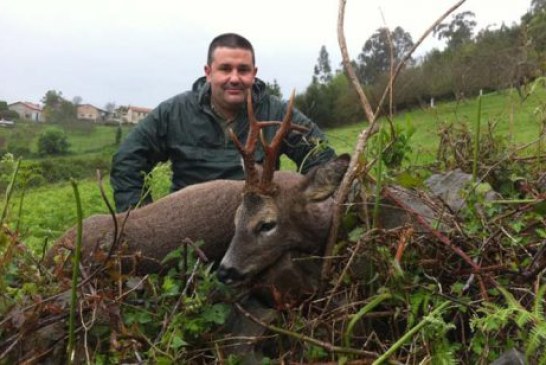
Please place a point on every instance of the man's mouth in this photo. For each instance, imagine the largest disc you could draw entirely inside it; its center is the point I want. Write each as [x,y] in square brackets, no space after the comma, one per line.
[234,91]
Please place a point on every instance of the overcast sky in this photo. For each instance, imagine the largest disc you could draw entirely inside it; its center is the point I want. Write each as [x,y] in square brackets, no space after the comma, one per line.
[141,52]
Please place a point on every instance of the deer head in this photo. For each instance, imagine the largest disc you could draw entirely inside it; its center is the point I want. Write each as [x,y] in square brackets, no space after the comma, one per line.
[275,217]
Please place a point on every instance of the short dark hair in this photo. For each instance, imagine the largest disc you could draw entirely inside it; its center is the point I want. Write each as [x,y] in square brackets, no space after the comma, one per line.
[230,40]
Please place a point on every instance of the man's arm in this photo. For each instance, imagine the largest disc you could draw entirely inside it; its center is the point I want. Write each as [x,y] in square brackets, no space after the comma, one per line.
[137,155]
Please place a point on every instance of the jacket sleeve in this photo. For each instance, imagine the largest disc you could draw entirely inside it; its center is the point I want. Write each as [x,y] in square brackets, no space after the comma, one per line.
[143,148]
[307,149]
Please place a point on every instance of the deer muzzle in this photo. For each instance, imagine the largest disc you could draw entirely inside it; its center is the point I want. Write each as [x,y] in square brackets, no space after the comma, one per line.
[230,276]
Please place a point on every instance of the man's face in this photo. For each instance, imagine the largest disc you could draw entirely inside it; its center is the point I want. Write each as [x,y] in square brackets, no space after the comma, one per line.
[230,74]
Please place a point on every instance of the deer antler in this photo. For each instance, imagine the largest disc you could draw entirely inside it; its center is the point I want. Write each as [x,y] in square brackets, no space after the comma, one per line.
[271,150]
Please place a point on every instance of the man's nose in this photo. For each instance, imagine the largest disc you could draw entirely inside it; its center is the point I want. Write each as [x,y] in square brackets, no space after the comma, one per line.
[234,76]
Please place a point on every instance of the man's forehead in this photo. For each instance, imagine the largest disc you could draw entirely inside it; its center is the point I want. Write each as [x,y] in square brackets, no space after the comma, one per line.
[226,55]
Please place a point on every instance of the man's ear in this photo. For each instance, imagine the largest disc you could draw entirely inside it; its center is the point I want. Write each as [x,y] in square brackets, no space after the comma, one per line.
[321,182]
[208,70]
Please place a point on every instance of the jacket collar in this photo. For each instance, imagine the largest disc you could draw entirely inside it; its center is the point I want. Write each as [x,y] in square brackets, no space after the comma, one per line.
[202,88]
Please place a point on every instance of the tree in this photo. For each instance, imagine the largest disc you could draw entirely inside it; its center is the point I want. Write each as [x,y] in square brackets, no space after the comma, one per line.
[110,107]
[323,71]
[538,6]
[53,141]
[536,27]
[57,109]
[375,58]
[77,100]
[459,31]
[5,113]
[273,88]
[52,99]
[119,133]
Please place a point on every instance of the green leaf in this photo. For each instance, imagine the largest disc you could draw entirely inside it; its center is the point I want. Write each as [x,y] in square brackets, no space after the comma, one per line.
[355,234]
[178,342]
[144,317]
[175,254]
[163,360]
[170,286]
[216,313]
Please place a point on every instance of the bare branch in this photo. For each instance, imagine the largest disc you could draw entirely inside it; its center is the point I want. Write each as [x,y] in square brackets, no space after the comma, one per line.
[365,134]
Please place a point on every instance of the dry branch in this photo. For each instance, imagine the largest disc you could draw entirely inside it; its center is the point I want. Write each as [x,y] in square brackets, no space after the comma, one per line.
[365,134]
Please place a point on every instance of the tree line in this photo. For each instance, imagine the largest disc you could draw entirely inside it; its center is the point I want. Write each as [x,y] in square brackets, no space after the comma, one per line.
[472,61]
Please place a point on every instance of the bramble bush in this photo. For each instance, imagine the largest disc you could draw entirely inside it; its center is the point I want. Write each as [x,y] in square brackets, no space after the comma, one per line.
[53,141]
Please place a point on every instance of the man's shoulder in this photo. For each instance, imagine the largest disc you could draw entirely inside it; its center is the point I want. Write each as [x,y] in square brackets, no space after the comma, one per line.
[182,98]
[181,102]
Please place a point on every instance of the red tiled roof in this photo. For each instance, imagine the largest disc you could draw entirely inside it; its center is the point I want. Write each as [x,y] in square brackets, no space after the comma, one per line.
[29,105]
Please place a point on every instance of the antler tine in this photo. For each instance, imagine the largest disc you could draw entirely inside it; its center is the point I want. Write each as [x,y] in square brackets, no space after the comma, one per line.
[247,151]
[272,150]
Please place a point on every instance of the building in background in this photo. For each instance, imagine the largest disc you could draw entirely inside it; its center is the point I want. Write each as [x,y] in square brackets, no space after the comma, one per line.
[90,112]
[27,110]
[131,114]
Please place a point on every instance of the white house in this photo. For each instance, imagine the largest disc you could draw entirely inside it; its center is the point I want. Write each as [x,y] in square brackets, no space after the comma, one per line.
[27,110]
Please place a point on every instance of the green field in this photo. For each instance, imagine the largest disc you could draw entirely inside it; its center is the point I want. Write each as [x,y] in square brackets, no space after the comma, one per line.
[84,137]
[49,210]
[520,122]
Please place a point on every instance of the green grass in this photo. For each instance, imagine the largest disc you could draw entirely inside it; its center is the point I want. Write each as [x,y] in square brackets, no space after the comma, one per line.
[50,210]
[515,120]
[84,137]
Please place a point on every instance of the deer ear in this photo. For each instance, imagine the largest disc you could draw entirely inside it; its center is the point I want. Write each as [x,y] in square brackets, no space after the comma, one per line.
[322,181]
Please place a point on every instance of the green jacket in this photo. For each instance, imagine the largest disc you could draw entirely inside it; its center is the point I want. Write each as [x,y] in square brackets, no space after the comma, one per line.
[185,130]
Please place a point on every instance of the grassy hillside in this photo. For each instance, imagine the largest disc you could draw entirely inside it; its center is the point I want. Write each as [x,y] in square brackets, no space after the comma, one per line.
[517,122]
[84,137]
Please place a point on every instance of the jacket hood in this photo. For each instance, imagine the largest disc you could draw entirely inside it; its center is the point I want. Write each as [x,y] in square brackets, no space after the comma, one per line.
[202,87]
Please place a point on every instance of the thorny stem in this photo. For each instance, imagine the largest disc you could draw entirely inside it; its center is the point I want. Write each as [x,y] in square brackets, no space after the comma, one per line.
[408,335]
[9,191]
[325,345]
[446,241]
[75,274]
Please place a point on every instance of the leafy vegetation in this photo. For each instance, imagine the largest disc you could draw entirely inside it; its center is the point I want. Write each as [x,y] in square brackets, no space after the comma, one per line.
[463,296]
[458,285]
[53,141]
[473,61]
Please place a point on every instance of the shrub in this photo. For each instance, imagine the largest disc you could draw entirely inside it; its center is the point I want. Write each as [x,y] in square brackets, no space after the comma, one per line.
[8,115]
[53,141]
[54,170]
[119,133]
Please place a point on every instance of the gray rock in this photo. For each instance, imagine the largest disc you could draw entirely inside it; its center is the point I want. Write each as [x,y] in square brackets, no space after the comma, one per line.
[510,357]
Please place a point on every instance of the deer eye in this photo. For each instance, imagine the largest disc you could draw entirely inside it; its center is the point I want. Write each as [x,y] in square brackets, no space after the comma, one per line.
[264,227]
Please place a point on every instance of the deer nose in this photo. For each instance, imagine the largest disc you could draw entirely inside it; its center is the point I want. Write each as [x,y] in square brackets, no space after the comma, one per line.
[229,275]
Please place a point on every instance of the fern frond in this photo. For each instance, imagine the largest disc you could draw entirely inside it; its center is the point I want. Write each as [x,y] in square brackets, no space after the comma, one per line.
[536,338]
[513,302]
[542,359]
[538,305]
[523,317]
[417,301]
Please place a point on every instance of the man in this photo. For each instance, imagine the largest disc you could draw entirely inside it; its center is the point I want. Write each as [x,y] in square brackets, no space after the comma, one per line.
[191,129]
